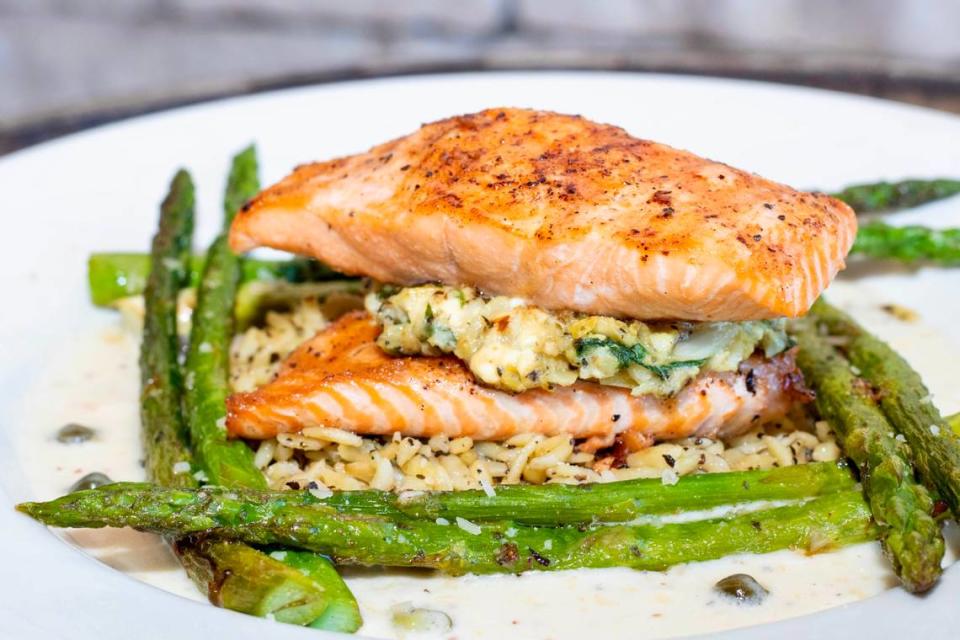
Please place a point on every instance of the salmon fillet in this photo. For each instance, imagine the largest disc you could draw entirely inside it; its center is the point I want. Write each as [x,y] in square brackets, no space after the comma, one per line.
[341,378]
[561,211]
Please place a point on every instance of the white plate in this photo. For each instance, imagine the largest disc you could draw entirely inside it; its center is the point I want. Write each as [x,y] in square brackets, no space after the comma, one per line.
[98,191]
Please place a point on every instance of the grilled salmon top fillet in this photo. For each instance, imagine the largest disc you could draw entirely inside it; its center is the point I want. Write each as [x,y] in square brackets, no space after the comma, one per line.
[561,211]
[342,379]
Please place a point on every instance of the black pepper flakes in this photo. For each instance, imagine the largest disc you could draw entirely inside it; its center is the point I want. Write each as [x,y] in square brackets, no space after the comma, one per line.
[661,197]
[751,382]
[541,560]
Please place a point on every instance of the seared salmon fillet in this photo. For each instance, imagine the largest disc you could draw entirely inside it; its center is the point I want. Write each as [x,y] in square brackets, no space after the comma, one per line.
[561,211]
[341,378]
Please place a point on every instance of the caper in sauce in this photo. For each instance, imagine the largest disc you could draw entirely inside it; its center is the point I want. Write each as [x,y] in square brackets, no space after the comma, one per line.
[743,588]
[91,481]
[73,433]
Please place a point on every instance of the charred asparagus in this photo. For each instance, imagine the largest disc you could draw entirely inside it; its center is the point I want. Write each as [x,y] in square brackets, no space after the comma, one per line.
[901,507]
[909,244]
[462,547]
[905,400]
[892,196]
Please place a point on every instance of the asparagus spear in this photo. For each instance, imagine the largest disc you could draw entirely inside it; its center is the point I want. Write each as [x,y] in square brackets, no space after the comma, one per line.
[901,507]
[235,577]
[495,547]
[243,579]
[610,502]
[892,196]
[342,613]
[909,243]
[112,276]
[243,183]
[226,462]
[165,453]
[906,402]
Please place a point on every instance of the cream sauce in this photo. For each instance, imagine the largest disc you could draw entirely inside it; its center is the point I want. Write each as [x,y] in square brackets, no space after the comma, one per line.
[95,384]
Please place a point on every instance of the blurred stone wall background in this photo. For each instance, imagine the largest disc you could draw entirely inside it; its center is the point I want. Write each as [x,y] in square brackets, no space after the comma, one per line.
[64,60]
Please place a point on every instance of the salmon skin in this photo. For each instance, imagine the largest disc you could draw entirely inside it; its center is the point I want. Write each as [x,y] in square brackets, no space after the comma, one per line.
[563,212]
[342,379]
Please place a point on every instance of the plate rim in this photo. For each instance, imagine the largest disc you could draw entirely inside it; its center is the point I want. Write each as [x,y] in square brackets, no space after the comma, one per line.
[420,76]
